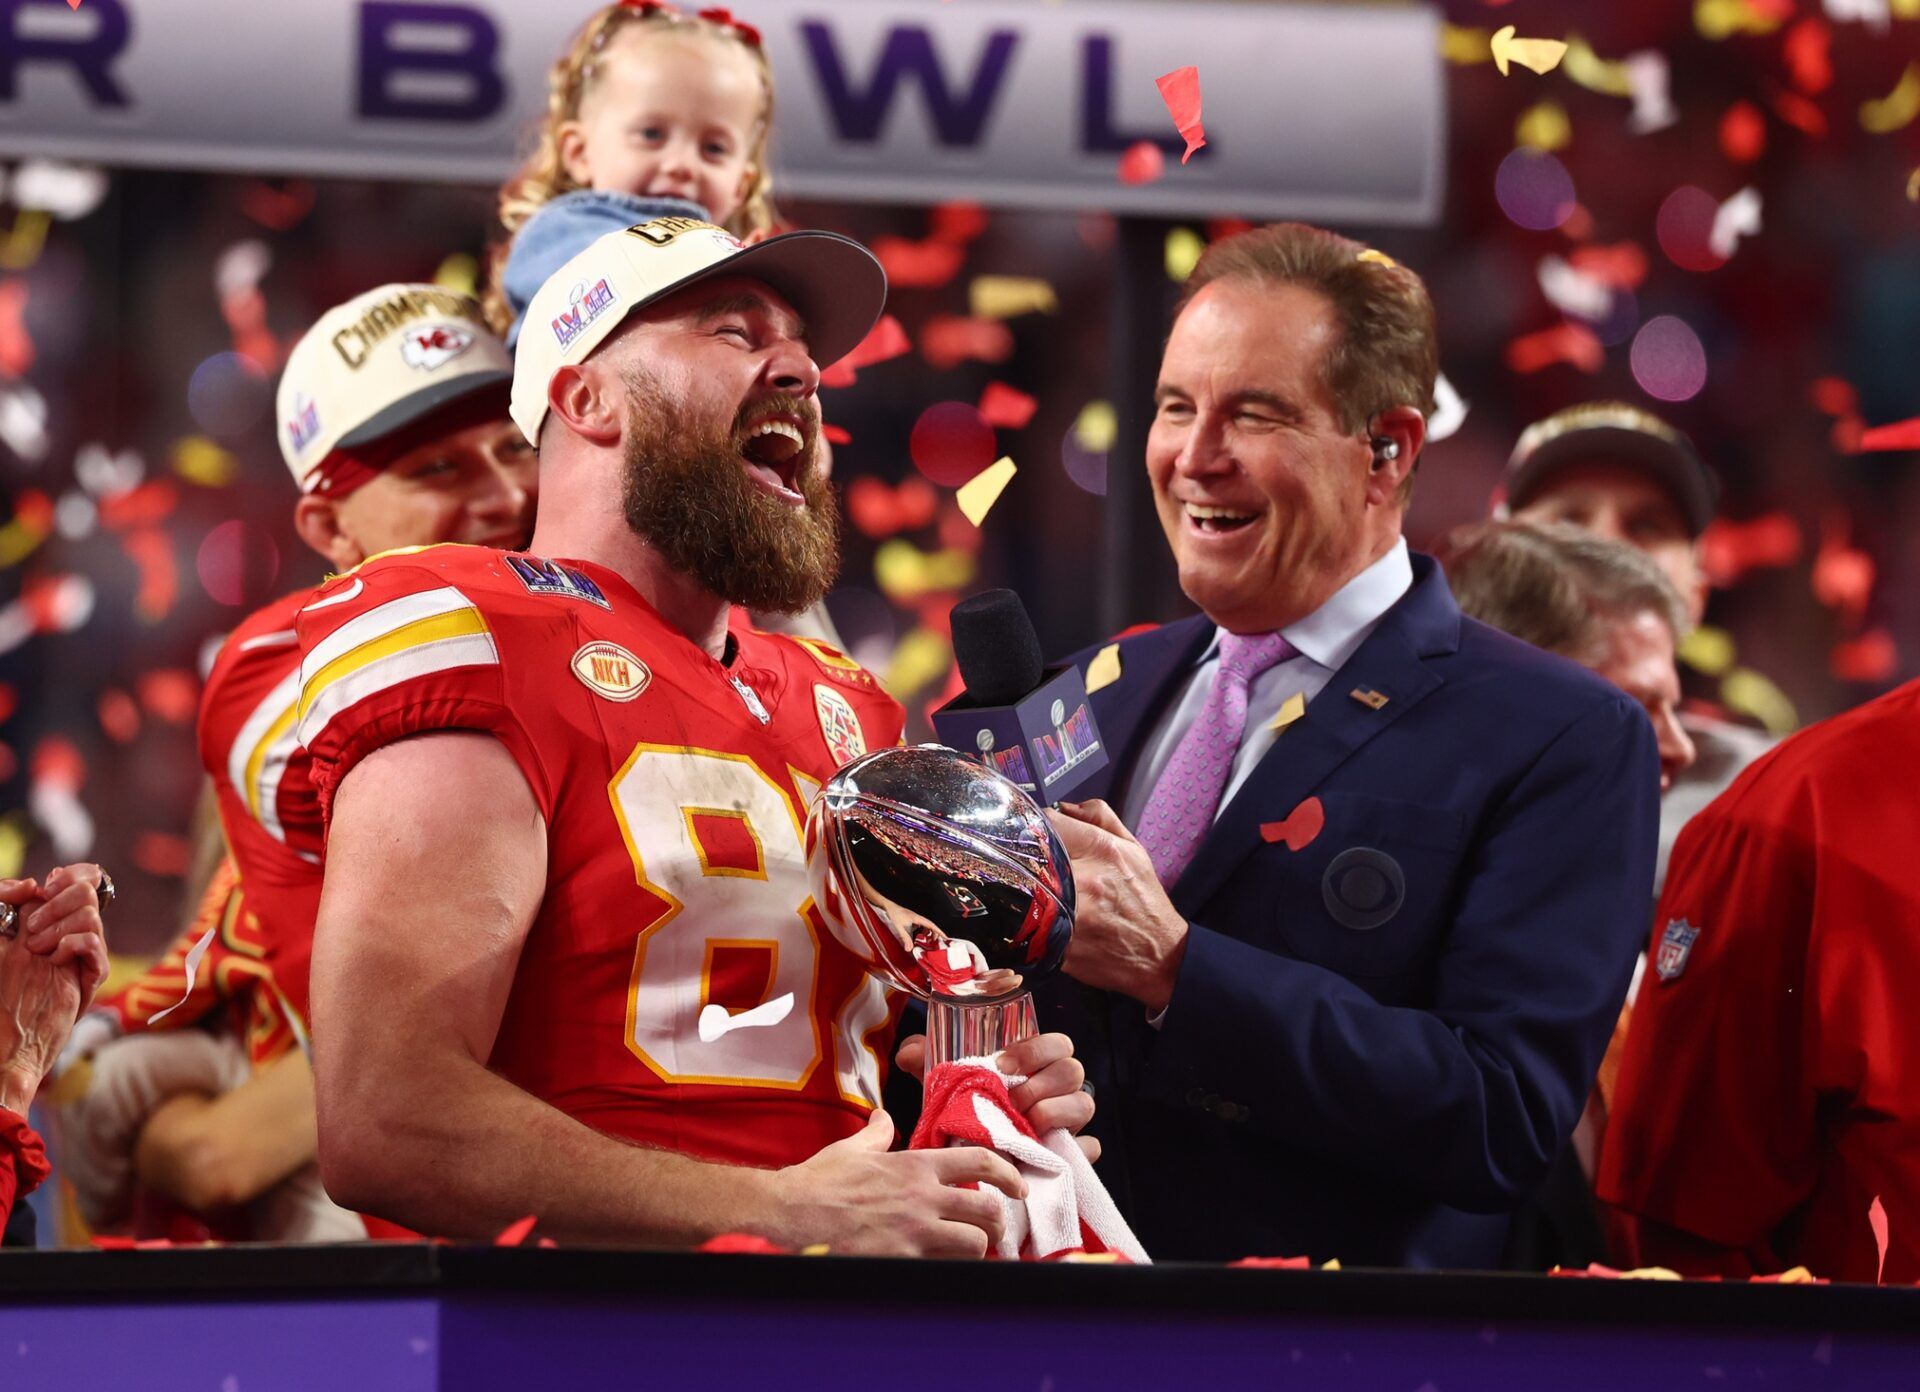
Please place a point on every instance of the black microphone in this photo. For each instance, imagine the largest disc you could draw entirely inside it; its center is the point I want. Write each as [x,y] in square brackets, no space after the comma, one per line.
[1030,723]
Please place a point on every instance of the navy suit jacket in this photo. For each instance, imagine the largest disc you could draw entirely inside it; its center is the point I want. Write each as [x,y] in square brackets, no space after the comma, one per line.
[1377,1043]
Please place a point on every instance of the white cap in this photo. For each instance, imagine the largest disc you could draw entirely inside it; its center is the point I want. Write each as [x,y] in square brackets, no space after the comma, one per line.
[834,283]
[378,362]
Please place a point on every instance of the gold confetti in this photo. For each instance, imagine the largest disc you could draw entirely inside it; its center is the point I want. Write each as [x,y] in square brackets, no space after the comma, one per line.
[1913,186]
[1650,1273]
[1720,19]
[1905,9]
[1379,258]
[1096,427]
[15,830]
[1008,297]
[1541,55]
[21,246]
[19,539]
[1184,246]
[459,273]
[1746,692]
[922,656]
[199,460]
[1291,710]
[1104,670]
[1330,1264]
[978,494]
[905,572]
[1543,126]
[1897,108]
[1586,68]
[1708,649]
[1464,46]
[1796,1276]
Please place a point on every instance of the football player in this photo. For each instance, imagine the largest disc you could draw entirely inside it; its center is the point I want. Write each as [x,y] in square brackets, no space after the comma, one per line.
[393,417]
[566,794]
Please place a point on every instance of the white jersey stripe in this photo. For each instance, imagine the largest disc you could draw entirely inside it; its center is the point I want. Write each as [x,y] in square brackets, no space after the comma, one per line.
[261,792]
[380,621]
[464,650]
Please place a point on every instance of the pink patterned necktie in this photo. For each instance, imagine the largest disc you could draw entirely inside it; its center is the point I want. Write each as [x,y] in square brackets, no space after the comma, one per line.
[1184,801]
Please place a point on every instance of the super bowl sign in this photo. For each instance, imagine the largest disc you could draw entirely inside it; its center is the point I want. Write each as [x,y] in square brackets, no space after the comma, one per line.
[1001,101]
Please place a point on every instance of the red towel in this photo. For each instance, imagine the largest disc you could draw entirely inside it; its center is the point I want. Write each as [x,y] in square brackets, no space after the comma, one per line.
[1067,1208]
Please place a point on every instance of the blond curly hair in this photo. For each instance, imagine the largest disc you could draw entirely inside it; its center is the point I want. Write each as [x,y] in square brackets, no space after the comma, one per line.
[543,177]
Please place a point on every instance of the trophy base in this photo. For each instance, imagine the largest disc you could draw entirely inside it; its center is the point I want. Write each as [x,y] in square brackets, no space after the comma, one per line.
[958,1029]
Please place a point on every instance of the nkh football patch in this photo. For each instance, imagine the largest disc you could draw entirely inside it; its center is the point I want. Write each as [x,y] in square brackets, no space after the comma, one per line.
[611,670]
[1676,945]
[839,726]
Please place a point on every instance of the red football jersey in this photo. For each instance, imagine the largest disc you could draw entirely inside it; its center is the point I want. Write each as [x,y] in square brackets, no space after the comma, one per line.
[1770,1089]
[674,790]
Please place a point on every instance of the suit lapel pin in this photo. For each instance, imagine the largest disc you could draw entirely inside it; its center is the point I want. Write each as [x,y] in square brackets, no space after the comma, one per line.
[1368,697]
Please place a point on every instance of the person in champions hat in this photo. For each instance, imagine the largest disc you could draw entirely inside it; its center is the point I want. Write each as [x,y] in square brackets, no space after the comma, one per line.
[565,796]
[1623,473]
[392,415]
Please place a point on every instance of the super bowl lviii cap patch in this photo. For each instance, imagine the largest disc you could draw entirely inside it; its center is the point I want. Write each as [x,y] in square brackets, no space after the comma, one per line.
[833,283]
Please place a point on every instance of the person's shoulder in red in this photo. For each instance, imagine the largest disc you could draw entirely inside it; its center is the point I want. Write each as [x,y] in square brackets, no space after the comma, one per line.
[246,711]
[419,639]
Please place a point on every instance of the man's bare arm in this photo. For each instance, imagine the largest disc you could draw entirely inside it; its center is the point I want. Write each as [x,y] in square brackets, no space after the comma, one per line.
[211,1153]
[436,865]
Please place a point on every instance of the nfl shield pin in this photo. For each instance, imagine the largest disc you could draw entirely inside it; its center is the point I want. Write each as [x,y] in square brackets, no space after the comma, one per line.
[1675,945]
[839,726]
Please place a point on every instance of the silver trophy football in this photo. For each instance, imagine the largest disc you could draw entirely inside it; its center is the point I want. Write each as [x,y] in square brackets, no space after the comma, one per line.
[946,880]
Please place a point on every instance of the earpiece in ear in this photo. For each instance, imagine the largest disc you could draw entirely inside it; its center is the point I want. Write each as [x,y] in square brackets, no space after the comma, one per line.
[1386,449]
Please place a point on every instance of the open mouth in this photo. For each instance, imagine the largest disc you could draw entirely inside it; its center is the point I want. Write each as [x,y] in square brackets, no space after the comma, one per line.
[773,451]
[1215,521]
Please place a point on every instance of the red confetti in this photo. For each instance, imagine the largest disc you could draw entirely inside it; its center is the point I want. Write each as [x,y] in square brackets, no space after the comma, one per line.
[1842,575]
[1007,407]
[958,222]
[1870,658]
[918,265]
[1299,829]
[144,506]
[835,435]
[1622,265]
[1877,1220]
[170,694]
[1902,435]
[516,1232]
[277,208]
[152,553]
[1846,434]
[1729,549]
[740,1242]
[1142,163]
[1800,113]
[879,511]
[1685,229]
[951,443]
[947,340]
[119,716]
[1568,343]
[1808,49]
[1285,1263]
[956,532]
[33,510]
[1743,133]
[158,853]
[9,701]
[1579,224]
[884,340]
[58,764]
[16,346]
[1221,228]
[1180,90]
[9,763]
[1833,396]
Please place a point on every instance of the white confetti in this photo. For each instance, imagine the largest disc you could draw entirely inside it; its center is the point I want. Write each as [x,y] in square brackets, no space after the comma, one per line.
[23,422]
[241,267]
[1574,292]
[68,191]
[1449,411]
[1650,81]
[65,819]
[74,515]
[107,474]
[1738,217]
[1872,13]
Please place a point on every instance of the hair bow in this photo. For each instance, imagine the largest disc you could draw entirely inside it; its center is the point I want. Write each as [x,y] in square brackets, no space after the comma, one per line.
[742,30]
[649,7]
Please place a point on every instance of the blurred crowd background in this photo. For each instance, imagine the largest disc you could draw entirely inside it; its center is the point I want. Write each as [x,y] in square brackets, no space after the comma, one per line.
[144,316]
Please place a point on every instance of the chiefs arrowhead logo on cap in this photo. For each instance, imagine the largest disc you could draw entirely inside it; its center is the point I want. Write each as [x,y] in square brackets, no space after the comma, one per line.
[433,345]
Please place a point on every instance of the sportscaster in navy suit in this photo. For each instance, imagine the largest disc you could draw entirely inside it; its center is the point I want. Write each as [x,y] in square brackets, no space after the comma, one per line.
[1361,893]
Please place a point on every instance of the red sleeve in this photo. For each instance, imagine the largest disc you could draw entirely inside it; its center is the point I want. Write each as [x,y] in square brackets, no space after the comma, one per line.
[1713,1131]
[405,645]
[23,1160]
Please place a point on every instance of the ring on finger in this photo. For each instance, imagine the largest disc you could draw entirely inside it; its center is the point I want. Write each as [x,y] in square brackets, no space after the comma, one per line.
[9,921]
[105,891]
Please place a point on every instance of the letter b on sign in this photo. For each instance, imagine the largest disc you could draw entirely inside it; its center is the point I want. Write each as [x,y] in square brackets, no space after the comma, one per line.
[428,63]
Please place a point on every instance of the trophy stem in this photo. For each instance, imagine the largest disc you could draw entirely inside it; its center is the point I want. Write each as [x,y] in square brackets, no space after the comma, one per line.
[960,1029]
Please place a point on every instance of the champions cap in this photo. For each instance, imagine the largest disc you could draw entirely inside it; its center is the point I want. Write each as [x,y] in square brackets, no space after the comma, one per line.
[834,283]
[374,365]
[1611,432]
